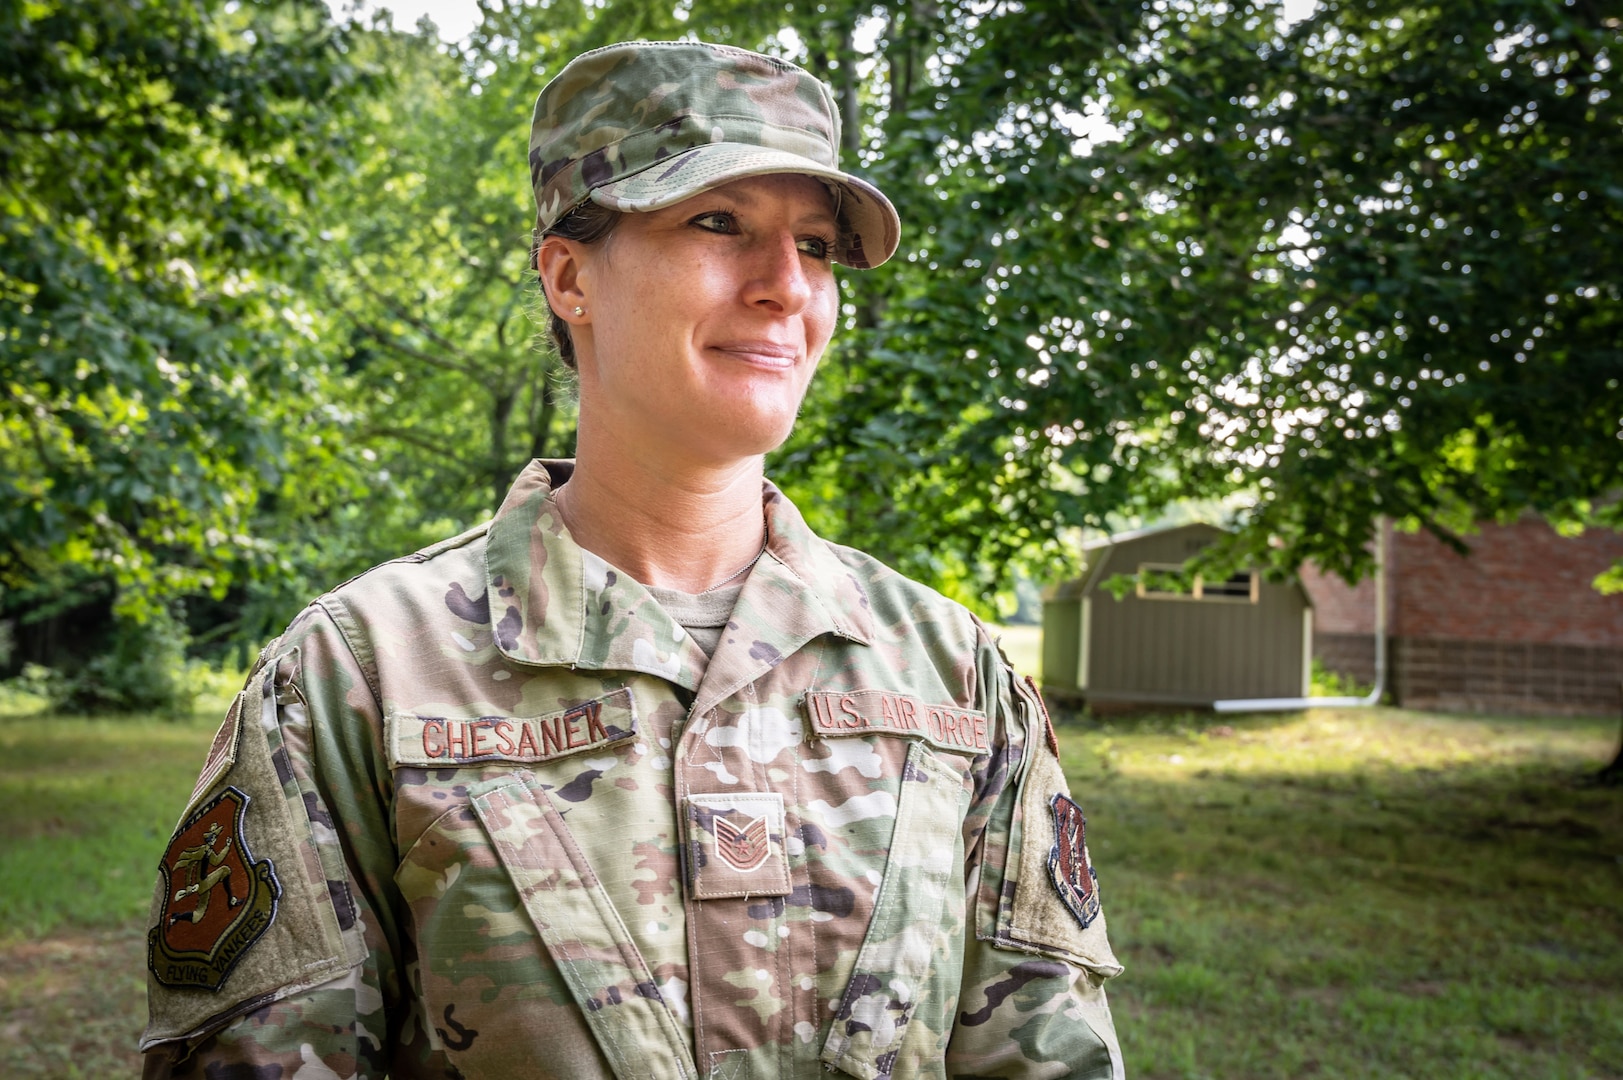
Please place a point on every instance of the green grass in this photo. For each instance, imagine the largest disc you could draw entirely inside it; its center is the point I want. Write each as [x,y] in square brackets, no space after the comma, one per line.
[1023,645]
[1359,893]
[86,807]
[72,1005]
[1330,894]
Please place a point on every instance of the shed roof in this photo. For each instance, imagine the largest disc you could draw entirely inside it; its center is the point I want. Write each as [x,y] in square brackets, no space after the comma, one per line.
[1138,534]
[1098,551]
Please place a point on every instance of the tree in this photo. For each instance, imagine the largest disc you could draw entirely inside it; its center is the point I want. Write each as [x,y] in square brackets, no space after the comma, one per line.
[428,256]
[1364,265]
[156,356]
[1415,216]
[262,327]
[429,280]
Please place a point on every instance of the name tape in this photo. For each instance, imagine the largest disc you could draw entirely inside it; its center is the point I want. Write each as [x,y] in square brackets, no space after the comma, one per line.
[437,741]
[879,712]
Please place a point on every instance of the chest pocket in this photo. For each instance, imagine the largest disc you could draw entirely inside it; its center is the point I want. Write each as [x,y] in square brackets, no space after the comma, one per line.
[877,1029]
[525,967]
[572,912]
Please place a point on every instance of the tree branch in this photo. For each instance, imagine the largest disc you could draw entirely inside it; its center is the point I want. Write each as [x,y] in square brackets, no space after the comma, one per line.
[438,446]
[389,341]
[413,321]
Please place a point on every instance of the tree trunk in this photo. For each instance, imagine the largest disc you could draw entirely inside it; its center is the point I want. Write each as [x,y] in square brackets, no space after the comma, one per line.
[850,113]
[501,411]
[1612,774]
[544,406]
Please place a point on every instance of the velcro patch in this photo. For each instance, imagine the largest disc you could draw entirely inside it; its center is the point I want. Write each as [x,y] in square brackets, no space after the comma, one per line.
[216,900]
[222,752]
[735,845]
[880,712]
[1042,707]
[437,741]
[1068,863]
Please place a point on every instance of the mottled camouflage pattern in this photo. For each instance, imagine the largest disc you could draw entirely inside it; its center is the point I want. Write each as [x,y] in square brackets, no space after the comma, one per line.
[536,919]
[646,124]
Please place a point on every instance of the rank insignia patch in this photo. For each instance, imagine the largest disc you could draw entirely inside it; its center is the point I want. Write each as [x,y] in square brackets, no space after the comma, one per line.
[742,848]
[1068,863]
[736,845]
[216,900]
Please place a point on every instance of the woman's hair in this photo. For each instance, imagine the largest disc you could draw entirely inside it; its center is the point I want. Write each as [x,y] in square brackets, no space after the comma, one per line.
[587,223]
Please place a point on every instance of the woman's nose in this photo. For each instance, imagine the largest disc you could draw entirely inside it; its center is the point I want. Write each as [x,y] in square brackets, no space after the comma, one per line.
[779,281]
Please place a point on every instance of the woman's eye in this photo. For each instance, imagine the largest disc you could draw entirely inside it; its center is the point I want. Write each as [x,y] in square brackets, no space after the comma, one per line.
[818,247]
[717,221]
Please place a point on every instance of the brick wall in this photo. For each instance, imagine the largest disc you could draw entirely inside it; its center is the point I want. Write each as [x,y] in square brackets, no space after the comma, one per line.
[1522,583]
[1343,622]
[1506,676]
[1339,608]
[1513,627]
[1352,655]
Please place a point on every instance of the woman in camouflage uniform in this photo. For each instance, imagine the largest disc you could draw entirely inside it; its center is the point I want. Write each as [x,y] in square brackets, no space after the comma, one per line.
[643,778]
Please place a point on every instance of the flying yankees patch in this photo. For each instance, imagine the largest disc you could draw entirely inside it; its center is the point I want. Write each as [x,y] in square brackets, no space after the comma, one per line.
[217,901]
[1068,863]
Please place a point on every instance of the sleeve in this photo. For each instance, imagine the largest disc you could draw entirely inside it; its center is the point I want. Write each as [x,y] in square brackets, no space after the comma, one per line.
[1032,1001]
[289,960]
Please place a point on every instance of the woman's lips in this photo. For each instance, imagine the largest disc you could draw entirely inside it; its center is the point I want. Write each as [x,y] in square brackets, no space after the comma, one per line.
[770,353]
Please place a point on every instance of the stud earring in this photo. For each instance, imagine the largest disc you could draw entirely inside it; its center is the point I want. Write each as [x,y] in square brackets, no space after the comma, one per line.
[579,311]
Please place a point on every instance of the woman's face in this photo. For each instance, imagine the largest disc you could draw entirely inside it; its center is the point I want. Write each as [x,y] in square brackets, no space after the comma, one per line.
[705,320]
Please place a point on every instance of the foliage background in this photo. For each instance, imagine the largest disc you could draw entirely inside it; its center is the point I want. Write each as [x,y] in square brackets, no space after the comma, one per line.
[266,319]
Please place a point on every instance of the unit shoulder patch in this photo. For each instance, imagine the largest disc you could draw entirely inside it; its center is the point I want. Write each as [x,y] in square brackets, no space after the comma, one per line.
[1068,864]
[217,901]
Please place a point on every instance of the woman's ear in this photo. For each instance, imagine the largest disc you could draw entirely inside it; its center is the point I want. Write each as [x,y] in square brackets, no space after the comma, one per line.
[558,263]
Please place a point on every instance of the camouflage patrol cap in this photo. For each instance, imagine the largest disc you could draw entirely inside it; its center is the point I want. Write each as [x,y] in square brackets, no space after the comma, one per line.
[645,124]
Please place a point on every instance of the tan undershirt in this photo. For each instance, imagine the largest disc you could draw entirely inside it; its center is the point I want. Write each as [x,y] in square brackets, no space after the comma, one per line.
[703,615]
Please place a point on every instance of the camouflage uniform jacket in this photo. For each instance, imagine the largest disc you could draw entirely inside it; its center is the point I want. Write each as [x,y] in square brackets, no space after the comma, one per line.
[511,824]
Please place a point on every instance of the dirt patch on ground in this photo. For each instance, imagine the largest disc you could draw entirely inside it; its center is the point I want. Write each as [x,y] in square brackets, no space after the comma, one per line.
[73,1004]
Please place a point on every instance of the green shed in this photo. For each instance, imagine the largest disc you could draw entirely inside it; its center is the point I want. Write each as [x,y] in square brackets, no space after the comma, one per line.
[1167,642]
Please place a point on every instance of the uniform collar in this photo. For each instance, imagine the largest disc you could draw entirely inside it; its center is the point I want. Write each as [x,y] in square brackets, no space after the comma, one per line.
[554,603]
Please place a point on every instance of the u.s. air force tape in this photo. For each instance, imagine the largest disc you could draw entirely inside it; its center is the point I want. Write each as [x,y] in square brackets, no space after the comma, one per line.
[880,712]
[439,741]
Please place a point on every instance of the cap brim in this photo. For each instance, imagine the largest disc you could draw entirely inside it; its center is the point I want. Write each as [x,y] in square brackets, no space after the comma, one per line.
[869,224]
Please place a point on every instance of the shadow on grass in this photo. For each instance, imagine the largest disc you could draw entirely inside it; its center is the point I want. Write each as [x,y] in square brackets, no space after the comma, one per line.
[1339,894]
[72,1005]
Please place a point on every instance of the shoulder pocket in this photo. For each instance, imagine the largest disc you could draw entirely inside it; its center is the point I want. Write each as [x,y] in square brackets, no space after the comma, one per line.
[252,902]
[1044,903]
